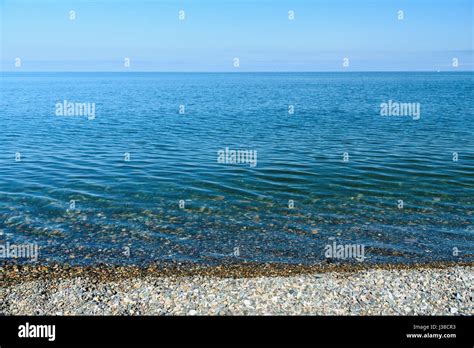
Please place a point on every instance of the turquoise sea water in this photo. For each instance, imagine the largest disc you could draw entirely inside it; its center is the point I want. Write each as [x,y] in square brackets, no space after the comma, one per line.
[129,211]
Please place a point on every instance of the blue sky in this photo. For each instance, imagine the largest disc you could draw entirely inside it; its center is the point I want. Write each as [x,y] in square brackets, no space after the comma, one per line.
[258,32]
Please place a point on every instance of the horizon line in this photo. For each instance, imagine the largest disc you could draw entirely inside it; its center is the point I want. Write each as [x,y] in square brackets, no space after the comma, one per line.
[238,72]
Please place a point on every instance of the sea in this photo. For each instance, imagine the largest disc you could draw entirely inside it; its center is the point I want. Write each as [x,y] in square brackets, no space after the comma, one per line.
[213,168]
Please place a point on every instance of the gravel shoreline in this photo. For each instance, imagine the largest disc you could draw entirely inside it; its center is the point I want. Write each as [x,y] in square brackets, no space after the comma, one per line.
[341,290]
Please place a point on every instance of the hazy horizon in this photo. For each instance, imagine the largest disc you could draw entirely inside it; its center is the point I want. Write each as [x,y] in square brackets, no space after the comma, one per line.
[231,72]
[209,35]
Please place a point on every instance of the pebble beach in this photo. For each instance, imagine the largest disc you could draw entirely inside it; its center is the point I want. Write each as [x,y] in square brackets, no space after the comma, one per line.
[445,289]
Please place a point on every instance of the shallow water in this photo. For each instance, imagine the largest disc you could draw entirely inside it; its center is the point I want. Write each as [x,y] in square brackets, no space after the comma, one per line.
[129,211]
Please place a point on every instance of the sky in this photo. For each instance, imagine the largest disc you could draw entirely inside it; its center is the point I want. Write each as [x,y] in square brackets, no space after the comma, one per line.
[257,32]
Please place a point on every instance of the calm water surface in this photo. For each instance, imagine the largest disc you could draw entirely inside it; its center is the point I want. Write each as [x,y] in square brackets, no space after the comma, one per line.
[133,205]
